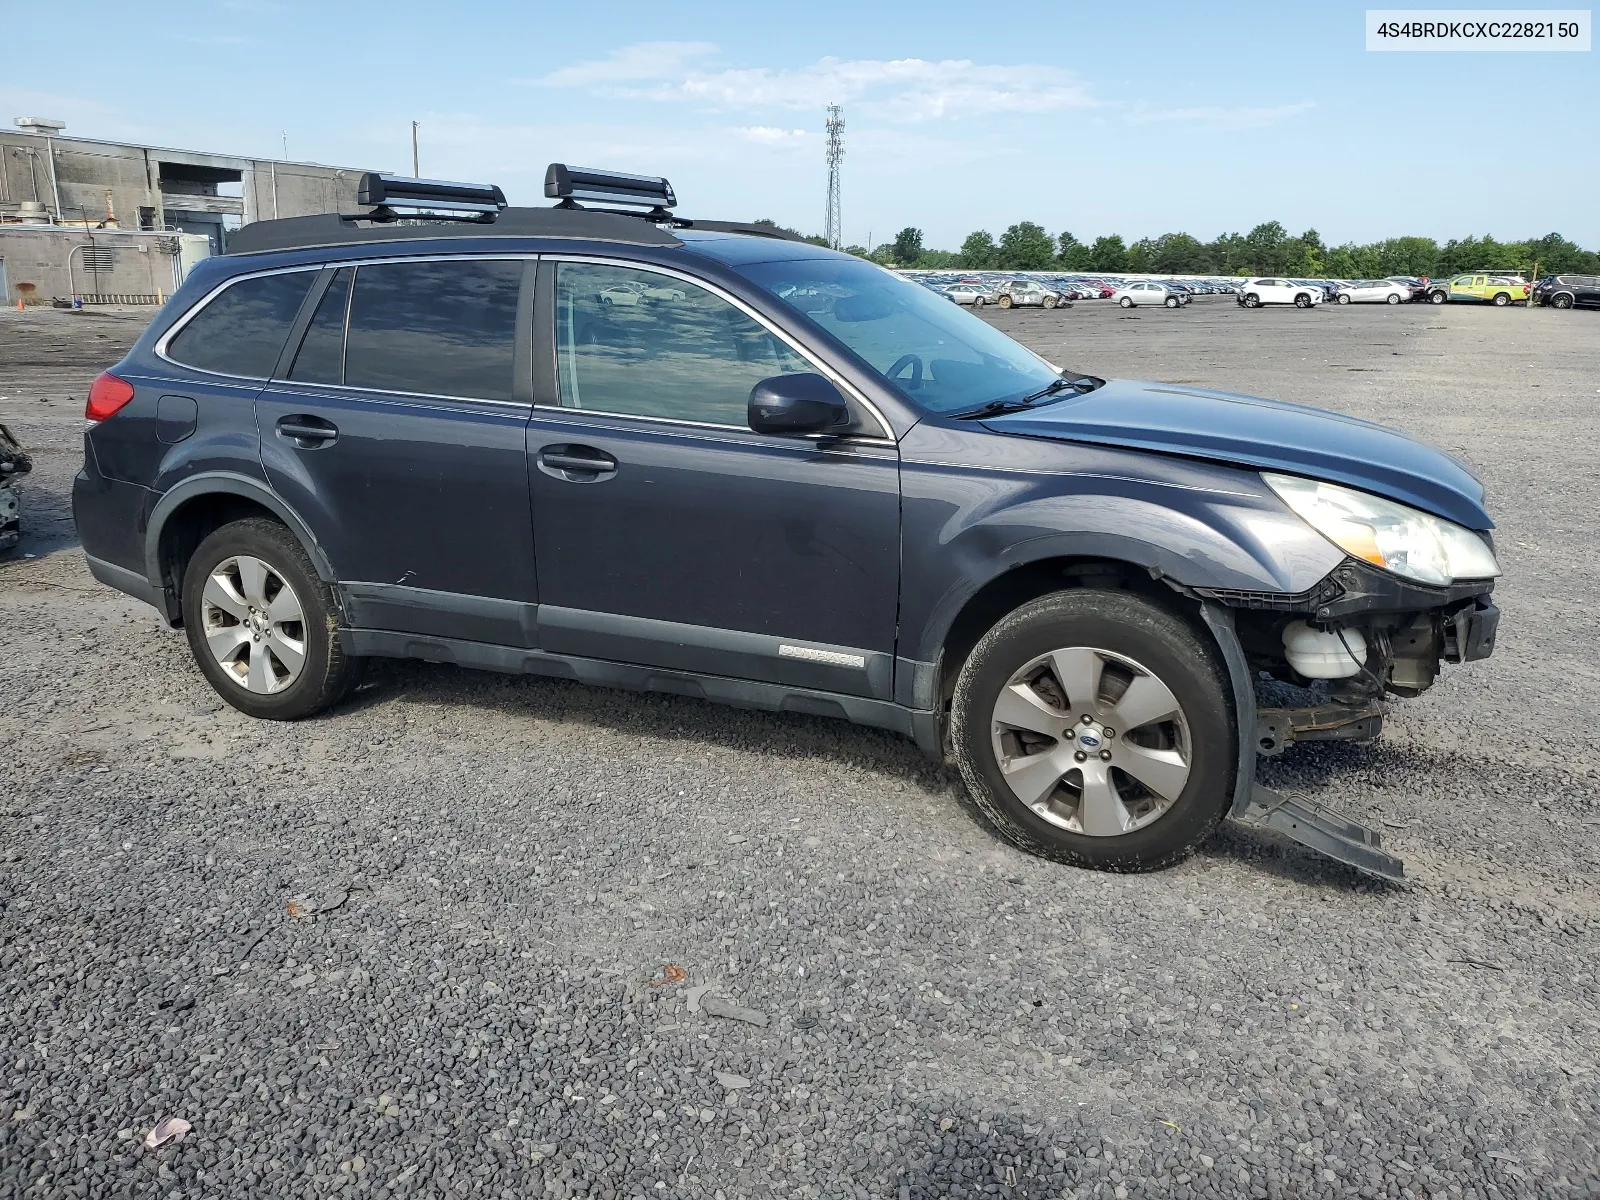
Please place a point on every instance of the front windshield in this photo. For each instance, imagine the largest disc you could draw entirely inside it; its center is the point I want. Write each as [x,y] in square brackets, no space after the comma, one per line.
[942,357]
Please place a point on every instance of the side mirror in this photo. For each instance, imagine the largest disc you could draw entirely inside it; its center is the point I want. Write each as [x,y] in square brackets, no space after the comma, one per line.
[797,404]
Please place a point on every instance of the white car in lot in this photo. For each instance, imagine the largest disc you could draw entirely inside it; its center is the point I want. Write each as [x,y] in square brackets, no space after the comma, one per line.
[1131,295]
[969,293]
[1253,293]
[1374,291]
[633,295]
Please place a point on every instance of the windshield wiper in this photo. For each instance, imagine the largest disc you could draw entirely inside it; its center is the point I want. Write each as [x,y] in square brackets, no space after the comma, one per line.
[996,408]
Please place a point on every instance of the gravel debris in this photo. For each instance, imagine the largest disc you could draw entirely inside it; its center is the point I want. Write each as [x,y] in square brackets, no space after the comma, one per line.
[478,1020]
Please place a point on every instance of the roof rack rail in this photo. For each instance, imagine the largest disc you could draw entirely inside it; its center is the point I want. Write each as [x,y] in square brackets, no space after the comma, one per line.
[571,185]
[436,198]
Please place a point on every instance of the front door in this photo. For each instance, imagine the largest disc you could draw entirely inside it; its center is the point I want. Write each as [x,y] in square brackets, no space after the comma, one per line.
[398,432]
[669,533]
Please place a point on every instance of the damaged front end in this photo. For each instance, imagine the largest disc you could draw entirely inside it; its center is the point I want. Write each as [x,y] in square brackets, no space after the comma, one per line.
[1360,636]
[13,464]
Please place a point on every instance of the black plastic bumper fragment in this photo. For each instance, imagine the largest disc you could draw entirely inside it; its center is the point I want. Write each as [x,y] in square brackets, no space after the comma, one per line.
[1323,830]
[1469,633]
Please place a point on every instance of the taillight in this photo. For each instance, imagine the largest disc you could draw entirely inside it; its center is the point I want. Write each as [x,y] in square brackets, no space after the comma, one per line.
[106,396]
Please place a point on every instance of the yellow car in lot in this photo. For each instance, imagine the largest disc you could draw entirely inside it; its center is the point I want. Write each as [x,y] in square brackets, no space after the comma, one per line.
[1498,290]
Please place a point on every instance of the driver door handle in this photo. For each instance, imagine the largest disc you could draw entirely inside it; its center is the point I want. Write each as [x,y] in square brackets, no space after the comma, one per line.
[576,464]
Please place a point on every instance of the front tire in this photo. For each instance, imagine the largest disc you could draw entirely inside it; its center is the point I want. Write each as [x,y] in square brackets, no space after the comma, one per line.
[1004,302]
[262,627]
[1437,297]
[1124,684]
[1343,298]
[1302,301]
[1125,302]
[1172,302]
[1049,301]
[1251,300]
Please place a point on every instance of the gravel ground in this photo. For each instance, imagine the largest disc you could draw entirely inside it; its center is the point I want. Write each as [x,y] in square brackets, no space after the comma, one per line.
[471,935]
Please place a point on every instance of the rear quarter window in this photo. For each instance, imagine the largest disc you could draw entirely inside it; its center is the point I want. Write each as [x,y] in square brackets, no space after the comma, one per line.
[242,330]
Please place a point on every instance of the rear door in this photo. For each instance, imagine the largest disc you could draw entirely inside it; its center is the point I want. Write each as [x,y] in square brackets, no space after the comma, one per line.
[397,431]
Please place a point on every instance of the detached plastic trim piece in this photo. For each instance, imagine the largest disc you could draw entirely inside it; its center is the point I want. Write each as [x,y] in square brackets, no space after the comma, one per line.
[1323,830]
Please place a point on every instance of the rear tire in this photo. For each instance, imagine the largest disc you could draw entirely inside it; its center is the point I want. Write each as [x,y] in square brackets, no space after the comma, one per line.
[1392,298]
[1561,301]
[255,574]
[1098,814]
[1501,299]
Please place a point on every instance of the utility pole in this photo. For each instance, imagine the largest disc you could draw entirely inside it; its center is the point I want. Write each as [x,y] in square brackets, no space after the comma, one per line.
[833,228]
[285,147]
[416,171]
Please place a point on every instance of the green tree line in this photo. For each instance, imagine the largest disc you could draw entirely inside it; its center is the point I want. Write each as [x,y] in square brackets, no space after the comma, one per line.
[1268,249]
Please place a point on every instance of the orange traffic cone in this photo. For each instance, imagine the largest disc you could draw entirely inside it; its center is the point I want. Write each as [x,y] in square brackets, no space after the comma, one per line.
[21,307]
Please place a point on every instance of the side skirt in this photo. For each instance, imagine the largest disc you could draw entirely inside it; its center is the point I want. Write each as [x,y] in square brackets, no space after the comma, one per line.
[739,693]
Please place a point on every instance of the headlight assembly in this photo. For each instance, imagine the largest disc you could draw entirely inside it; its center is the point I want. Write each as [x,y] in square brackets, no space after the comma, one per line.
[1403,540]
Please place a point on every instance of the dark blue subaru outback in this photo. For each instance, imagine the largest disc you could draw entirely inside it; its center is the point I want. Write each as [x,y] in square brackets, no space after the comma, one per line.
[603,442]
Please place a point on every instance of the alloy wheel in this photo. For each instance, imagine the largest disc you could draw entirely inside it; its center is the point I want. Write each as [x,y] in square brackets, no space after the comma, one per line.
[253,624]
[1091,741]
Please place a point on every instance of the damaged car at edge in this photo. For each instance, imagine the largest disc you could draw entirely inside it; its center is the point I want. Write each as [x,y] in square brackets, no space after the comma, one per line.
[795,482]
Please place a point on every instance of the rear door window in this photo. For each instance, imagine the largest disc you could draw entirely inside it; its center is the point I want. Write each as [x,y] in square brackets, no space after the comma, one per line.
[444,328]
[242,330]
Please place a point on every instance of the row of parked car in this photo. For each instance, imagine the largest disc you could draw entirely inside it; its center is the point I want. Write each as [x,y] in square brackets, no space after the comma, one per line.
[1046,290]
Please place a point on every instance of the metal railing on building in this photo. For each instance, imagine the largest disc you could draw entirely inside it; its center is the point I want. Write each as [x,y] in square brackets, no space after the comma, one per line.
[119,298]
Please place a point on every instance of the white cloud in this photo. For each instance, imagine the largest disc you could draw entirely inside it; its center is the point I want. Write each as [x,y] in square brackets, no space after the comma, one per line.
[1224,117]
[902,89]
[767,135]
[632,64]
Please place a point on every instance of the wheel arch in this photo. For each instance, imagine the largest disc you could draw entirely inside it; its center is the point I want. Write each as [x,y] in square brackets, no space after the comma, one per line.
[1013,587]
[201,504]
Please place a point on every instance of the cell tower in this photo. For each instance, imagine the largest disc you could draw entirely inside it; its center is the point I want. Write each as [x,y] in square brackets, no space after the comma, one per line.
[833,228]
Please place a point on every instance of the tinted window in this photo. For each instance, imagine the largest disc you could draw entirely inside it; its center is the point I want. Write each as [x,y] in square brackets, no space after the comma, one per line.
[649,345]
[242,331]
[320,358]
[439,328]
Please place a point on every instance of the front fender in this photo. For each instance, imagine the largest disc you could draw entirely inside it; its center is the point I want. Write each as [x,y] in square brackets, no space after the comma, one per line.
[1199,524]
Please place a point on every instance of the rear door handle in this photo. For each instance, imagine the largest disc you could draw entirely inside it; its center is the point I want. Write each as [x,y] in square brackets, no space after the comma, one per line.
[306,431]
[585,462]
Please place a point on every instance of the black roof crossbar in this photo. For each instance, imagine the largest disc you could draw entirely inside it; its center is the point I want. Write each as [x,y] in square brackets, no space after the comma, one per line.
[437,197]
[572,185]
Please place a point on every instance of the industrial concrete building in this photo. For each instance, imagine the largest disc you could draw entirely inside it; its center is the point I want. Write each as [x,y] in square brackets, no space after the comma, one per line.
[87,218]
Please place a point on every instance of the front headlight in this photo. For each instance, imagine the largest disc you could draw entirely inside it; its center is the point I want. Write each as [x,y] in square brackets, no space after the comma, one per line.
[1412,544]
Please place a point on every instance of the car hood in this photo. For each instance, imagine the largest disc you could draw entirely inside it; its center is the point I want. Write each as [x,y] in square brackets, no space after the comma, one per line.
[1266,434]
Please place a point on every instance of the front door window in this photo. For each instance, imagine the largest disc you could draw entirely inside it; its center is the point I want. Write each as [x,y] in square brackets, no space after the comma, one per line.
[671,350]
